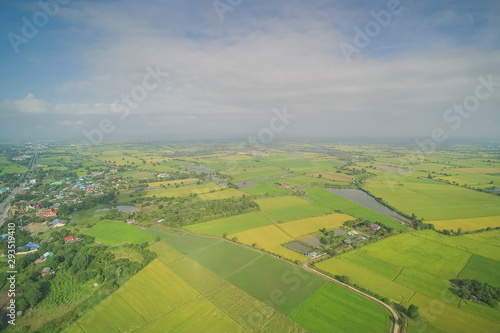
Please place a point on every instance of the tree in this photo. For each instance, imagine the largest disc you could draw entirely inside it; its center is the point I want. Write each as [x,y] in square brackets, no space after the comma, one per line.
[413,311]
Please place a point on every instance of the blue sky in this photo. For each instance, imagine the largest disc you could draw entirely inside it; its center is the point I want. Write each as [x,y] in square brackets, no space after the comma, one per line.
[225,76]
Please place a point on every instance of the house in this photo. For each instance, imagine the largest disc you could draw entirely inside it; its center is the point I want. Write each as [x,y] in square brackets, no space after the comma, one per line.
[32,246]
[46,255]
[69,239]
[49,213]
[46,240]
[314,255]
[352,233]
[45,271]
[58,223]
[375,226]
[347,240]
[4,236]
[162,175]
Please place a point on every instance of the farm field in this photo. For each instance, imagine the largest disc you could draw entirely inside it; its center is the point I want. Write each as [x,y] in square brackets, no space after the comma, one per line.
[115,233]
[249,312]
[223,194]
[230,225]
[333,176]
[292,291]
[7,166]
[183,191]
[468,224]
[434,201]
[280,202]
[332,300]
[299,228]
[151,296]
[429,261]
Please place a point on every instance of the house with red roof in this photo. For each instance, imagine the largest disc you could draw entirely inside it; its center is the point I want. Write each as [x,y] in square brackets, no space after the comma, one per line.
[49,213]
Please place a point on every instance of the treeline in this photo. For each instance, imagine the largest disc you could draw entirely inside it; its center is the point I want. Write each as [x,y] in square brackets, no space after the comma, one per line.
[108,198]
[183,211]
[477,291]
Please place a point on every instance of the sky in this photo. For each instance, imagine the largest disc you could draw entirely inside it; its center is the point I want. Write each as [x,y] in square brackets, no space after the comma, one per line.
[93,71]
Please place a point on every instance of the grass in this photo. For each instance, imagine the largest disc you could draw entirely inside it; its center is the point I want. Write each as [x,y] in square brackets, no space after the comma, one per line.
[277,283]
[420,254]
[297,212]
[434,201]
[183,242]
[333,176]
[230,225]
[172,182]
[199,315]
[353,312]
[223,194]
[7,166]
[265,237]
[428,285]
[225,258]
[115,233]
[451,319]
[246,310]
[183,191]
[280,202]
[376,265]
[266,187]
[303,227]
[482,269]
[367,279]
[490,237]
[468,224]
[155,291]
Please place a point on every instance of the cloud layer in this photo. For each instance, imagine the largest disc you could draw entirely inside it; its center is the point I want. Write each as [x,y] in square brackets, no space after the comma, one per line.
[225,77]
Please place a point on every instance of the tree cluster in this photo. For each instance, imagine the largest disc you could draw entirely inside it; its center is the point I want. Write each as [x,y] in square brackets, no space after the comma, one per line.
[474,289]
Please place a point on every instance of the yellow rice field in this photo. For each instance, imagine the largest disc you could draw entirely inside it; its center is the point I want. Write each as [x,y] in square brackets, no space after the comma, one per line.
[469,224]
[299,228]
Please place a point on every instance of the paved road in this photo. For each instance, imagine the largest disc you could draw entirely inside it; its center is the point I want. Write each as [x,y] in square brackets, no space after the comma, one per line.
[5,205]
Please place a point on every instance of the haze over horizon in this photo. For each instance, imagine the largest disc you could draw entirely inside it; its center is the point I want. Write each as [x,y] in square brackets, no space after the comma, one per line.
[221,69]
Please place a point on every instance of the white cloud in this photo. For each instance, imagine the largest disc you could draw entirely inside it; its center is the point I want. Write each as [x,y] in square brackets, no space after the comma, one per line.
[72,123]
[29,104]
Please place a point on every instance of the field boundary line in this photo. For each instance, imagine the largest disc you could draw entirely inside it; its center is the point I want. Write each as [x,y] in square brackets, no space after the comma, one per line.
[401,271]
[123,299]
[277,224]
[78,324]
[203,249]
[239,269]
[466,264]
[310,296]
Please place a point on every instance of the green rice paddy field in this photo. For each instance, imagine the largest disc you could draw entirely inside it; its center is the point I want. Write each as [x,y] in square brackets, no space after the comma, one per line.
[433,200]
[115,233]
[416,268]
[292,292]
[224,287]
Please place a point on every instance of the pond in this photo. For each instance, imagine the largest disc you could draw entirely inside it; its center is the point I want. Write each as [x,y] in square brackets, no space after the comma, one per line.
[298,247]
[363,199]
